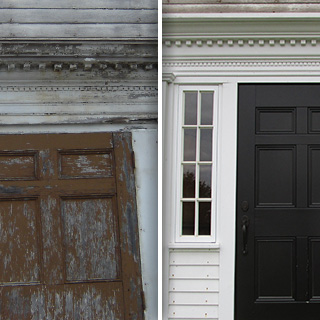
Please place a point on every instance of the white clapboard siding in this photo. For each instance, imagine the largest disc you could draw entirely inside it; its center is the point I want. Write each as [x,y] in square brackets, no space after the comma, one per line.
[190,298]
[197,285]
[72,31]
[72,19]
[100,4]
[194,271]
[78,16]
[195,258]
[193,284]
[193,312]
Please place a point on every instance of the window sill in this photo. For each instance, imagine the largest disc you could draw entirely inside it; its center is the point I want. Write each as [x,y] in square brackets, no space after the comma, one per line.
[198,246]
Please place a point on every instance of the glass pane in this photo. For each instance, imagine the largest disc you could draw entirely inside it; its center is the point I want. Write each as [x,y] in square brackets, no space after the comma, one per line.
[204,218]
[189,152]
[189,181]
[190,116]
[188,218]
[205,181]
[205,144]
[206,107]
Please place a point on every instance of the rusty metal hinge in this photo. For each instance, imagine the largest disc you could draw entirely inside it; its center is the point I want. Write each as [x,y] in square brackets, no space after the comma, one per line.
[133,159]
[143,300]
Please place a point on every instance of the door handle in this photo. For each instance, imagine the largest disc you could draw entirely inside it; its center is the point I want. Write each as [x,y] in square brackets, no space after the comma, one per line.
[245,226]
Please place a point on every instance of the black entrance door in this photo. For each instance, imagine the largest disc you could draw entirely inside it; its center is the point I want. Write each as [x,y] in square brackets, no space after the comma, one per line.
[278,203]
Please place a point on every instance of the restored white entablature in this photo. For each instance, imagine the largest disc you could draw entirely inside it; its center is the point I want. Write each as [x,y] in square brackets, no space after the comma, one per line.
[217,52]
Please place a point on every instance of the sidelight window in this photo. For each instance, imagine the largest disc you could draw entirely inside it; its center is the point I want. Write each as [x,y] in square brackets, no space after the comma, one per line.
[198,165]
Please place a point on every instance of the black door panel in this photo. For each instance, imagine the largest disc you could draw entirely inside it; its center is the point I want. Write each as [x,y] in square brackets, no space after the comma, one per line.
[278,231]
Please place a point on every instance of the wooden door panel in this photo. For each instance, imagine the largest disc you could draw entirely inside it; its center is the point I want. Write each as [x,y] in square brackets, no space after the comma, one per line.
[275,278]
[18,165]
[275,176]
[52,242]
[69,231]
[76,301]
[79,164]
[278,231]
[19,221]
[90,239]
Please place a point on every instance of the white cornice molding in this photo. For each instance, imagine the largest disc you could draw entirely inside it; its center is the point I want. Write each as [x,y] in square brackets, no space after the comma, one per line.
[235,41]
[242,63]
[219,30]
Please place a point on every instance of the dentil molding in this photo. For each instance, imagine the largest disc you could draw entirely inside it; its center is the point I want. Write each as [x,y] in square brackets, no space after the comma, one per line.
[238,42]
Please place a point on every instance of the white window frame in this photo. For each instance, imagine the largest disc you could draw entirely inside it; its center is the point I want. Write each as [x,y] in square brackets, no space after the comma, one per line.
[179,238]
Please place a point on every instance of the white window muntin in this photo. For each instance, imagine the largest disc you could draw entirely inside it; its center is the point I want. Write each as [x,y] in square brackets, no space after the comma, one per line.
[180,161]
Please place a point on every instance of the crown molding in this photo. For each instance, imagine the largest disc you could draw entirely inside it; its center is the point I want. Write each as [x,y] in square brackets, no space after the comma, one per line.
[80,56]
[235,41]
[243,63]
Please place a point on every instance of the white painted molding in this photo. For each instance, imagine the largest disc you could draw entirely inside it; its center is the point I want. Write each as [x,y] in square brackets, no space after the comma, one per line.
[194,246]
[243,63]
[168,77]
[240,42]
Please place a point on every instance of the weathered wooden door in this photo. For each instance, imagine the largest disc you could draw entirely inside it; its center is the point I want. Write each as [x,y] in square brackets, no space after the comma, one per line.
[278,203]
[68,228]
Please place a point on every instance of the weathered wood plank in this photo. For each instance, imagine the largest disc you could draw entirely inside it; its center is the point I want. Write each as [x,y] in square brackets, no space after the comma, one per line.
[105,16]
[77,95]
[229,8]
[111,109]
[66,31]
[112,4]
[77,119]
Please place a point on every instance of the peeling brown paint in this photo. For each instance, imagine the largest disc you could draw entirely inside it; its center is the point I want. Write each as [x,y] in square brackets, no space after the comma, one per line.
[128,225]
[69,241]
[91,245]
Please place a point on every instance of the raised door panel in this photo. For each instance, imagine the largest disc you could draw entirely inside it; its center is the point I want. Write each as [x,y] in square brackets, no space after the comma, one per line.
[69,231]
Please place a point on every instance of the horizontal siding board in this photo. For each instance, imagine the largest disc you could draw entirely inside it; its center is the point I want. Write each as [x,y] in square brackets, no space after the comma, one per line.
[66,16]
[239,2]
[200,272]
[54,31]
[190,312]
[76,119]
[85,109]
[193,285]
[79,4]
[196,257]
[193,298]
[240,8]
[79,96]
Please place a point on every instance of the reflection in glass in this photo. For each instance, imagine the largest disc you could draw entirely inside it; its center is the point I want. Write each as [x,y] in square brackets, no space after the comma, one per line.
[189,151]
[205,144]
[204,218]
[206,108]
[189,181]
[190,117]
[188,218]
[205,181]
